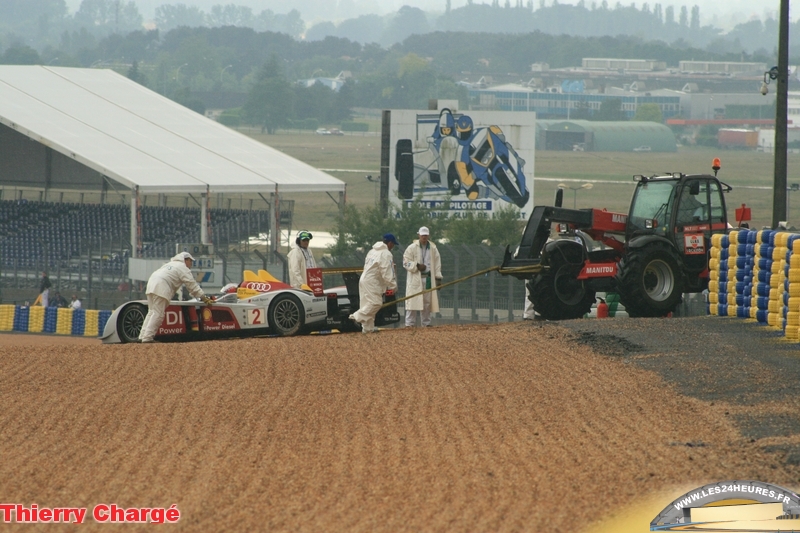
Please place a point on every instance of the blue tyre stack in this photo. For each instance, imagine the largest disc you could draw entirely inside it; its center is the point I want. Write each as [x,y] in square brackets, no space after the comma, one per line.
[104,316]
[50,319]
[78,321]
[21,318]
[762,271]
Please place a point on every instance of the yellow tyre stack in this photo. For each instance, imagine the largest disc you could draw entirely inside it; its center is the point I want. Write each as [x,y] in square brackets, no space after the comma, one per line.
[791,296]
[36,319]
[775,318]
[718,276]
[7,317]
[64,323]
[713,277]
[733,243]
[92,328]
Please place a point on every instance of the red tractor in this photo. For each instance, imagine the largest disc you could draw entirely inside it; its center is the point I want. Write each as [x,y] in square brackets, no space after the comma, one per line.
[650,256]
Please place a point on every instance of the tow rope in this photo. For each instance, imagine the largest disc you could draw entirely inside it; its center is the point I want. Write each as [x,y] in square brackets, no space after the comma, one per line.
[532,269]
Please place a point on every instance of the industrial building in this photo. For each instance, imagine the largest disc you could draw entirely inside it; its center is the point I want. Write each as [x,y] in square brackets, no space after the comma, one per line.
[586,135]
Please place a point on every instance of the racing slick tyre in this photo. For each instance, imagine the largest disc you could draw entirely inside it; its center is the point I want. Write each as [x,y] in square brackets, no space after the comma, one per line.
[286,315]
[405,169]
[557,293]
[649,281]
[130,322]
[453,181]
[404,146]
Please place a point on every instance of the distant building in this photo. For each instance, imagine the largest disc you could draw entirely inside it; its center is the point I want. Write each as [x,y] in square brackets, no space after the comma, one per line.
[589,136]
[552,102]
[622,64]
[722,67]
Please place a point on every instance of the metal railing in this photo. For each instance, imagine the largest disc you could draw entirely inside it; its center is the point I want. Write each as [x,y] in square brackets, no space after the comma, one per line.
[487,298]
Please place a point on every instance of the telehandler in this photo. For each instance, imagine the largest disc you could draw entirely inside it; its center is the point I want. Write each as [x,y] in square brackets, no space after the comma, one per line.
[650,256]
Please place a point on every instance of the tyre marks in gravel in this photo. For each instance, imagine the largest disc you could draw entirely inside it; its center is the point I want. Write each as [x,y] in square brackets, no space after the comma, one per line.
[480,428]
[748,370]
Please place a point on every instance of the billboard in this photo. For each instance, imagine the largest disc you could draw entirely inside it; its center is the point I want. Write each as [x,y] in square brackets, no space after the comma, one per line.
[454,163]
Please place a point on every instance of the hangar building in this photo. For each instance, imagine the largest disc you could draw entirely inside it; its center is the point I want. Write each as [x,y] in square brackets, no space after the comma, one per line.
[587,135]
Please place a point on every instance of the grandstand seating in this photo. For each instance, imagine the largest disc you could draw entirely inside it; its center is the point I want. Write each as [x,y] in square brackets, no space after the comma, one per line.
[49,235]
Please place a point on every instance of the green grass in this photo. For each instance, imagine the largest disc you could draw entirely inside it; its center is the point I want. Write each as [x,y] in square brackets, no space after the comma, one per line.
[362,153]
[740,169]
[610,172]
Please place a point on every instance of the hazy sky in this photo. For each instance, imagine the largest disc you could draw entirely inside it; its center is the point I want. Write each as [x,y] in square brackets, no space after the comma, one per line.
[721,13]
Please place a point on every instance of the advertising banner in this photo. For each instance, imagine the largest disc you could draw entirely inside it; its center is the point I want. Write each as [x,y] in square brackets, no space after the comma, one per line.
[454,163]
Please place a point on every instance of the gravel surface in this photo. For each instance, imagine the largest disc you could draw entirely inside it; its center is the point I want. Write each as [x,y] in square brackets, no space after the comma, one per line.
[527,426]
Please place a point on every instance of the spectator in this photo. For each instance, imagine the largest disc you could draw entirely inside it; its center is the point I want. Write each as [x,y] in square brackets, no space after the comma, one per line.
[378,275]
[424,265]
[162,286]
[57,300]
[44,291]
[75,303]
[300,260]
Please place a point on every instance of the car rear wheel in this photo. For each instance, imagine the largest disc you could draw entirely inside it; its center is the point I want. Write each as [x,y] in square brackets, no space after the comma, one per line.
[130,322]
[286,315]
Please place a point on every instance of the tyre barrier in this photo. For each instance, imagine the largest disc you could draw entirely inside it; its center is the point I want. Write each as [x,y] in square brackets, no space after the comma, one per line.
[61,321]
[755,274]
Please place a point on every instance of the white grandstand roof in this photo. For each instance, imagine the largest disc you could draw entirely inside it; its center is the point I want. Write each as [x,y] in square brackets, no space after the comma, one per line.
[139,138]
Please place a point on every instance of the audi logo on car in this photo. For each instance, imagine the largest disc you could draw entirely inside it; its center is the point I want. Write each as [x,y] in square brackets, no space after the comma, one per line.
[257,286]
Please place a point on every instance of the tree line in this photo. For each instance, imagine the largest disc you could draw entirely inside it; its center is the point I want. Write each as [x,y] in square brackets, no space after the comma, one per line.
[264,67]
[357,229]
[47,24]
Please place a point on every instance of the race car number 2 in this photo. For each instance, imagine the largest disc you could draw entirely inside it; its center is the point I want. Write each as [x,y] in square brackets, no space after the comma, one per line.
[257,316]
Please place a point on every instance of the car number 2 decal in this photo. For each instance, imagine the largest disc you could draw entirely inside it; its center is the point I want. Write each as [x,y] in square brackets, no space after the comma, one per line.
[256,317]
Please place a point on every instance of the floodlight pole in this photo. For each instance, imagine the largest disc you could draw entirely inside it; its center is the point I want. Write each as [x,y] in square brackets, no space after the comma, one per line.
[779,192]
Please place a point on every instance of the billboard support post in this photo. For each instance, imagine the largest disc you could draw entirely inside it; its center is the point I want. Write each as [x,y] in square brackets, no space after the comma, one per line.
[386,130]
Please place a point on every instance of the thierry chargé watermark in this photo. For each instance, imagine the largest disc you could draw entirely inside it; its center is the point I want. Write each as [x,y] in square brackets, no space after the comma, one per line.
[16,513]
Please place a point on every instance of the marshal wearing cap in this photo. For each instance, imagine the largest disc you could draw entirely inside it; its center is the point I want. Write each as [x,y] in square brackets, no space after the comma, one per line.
[183,256]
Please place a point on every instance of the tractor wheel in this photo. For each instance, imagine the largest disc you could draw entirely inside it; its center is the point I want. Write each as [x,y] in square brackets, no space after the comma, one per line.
[649,281]
[286,315]
[130,322]
[557,293]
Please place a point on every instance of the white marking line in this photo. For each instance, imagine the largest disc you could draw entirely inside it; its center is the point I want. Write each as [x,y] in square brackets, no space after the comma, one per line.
[564,180]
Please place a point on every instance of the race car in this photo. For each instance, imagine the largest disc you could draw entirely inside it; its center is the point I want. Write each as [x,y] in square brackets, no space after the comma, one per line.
[261,306]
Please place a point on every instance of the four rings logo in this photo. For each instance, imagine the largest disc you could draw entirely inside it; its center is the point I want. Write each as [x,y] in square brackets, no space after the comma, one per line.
[257,286]
[750,506]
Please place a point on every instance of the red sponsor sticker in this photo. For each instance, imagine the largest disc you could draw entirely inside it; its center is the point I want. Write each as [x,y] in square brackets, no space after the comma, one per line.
[694,244]
[314,276]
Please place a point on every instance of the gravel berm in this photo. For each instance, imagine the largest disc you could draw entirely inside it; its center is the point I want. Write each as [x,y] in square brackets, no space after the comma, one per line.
[526,426]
